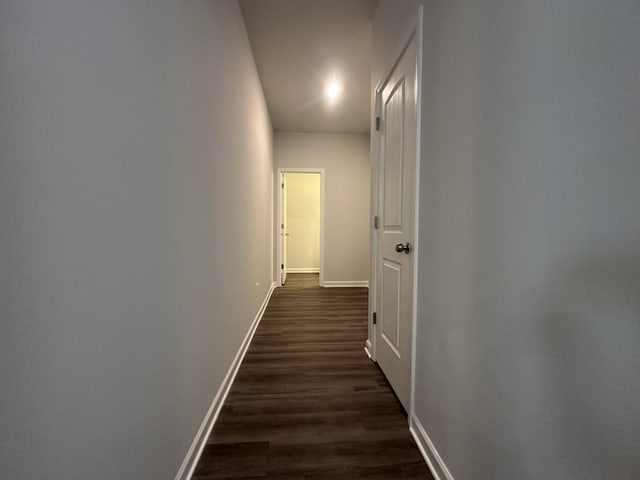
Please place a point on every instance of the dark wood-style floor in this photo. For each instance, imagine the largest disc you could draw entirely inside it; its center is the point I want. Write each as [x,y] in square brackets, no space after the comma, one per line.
[307,403]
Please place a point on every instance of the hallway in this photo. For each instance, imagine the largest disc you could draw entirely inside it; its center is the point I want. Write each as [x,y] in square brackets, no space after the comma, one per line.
[141,147]
[307,402]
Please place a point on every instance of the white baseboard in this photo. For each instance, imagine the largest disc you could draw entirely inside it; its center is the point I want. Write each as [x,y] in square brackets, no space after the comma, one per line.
[367,348]
[346,283]
[302,270]
[197,446]
[438,469]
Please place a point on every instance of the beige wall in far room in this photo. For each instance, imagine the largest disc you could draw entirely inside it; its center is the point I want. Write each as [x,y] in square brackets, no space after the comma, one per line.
[345,160]
[303,222]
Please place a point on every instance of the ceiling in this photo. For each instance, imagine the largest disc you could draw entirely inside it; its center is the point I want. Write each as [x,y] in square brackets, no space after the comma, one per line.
[298,46]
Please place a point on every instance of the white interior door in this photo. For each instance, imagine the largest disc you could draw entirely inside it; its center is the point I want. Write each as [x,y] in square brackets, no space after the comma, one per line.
[283,229]
[396,197]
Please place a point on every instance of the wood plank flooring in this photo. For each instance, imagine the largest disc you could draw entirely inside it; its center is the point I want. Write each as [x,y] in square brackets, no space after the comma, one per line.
[307,403]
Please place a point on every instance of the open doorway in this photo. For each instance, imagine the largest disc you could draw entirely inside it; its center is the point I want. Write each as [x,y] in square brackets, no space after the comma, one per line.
[301,223]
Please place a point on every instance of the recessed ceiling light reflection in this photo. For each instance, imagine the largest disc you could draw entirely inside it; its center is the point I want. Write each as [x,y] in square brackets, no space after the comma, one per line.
[332,91]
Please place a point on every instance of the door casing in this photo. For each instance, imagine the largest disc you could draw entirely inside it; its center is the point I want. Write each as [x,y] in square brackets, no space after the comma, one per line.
[279,219]
[415,30]
[283,229]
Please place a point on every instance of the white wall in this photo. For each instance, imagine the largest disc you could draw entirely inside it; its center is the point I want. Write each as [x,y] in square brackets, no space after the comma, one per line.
[345,159]
[528,316]
[303,222]
[135,221]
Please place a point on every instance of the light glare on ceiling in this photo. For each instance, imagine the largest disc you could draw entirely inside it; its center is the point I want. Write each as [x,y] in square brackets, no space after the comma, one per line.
[332,91]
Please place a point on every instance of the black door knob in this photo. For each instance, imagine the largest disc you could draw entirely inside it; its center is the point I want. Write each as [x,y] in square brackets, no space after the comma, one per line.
[403,247]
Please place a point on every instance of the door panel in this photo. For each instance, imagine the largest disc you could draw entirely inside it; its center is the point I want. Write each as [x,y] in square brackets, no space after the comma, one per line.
[390,313]
[393,114]
[396,198]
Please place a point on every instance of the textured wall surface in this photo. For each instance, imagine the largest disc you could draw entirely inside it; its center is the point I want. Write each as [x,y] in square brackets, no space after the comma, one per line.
[135,229]
[529,269]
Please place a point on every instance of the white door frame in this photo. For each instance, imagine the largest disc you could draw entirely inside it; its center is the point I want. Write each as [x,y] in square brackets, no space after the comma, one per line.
[279,217]
[416,29]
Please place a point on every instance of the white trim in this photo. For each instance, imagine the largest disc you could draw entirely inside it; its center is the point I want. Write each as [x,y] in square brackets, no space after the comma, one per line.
[437,466]
[345,283]
[374,147]
[197,446]
[280,171]
[303,270]
[416,213]
[367,349]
